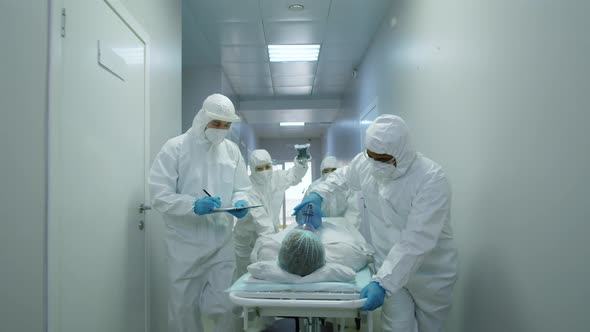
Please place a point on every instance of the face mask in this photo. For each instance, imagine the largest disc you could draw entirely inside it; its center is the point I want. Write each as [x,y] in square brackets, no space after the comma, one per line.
[329,171]
[215,136]
[262,177]
[381,171]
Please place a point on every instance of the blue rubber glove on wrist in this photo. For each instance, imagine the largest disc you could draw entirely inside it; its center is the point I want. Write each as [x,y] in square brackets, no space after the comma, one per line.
[240,213]
[375,295]
[206,205]
[316,200]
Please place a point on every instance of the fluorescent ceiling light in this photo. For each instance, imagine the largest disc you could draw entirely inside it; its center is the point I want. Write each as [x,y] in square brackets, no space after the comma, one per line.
[292,124]
[287,53]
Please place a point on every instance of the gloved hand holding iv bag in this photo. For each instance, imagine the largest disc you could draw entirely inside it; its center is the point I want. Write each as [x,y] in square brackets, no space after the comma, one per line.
[315,217]
[303,155]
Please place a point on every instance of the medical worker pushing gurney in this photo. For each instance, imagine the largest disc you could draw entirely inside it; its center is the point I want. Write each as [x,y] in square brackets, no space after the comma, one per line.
[408,202]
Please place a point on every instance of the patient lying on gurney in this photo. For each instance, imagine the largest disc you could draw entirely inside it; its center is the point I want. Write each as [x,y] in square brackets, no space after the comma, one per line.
[335,252]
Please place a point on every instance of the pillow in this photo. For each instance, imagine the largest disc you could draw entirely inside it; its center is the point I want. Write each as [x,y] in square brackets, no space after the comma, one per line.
[270,271]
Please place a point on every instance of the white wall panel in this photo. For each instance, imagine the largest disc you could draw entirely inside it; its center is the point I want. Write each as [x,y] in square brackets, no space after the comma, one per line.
[497,92]
[23,134]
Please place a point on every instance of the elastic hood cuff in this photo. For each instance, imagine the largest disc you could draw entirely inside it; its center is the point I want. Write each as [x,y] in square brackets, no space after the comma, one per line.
[214,116]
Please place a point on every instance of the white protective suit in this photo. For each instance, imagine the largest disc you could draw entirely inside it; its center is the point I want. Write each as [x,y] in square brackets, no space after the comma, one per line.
[268,189]
[344,203]
[200,249]
[408,219]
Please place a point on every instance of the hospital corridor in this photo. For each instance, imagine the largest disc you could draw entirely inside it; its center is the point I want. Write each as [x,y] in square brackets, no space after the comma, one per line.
[294,165]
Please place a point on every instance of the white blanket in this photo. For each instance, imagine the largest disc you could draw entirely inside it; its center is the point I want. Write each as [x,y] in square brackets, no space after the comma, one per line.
[343,243]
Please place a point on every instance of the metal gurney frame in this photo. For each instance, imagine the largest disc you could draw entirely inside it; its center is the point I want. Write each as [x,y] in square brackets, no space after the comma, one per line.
[302,304]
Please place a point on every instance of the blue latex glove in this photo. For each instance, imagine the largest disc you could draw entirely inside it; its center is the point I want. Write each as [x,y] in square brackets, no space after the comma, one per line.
[240,213]
[206,205]
[316,200]
[375,295]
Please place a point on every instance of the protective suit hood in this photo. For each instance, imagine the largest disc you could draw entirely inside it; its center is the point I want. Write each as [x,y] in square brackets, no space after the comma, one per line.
[215,107]
[389,134]
[257,158]
[329,162]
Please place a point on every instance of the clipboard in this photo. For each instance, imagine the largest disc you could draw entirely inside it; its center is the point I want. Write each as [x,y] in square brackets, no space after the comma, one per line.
[233,208]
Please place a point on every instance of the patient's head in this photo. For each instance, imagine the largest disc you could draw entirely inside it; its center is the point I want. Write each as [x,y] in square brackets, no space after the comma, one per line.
[302,252]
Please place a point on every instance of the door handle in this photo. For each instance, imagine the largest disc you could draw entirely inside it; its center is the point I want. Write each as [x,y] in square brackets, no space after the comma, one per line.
[143,208]
[141,225]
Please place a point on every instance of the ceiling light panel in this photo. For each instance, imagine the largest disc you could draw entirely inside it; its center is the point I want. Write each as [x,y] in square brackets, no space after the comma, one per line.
[292,124]
[294,115]
[291,53]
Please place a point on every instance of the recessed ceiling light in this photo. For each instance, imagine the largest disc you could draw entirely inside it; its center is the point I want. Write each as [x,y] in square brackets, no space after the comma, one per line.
[296,7]
[287,53]
[291,124]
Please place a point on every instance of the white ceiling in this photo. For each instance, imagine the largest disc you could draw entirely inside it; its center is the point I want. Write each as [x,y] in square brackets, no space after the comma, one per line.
[235,35]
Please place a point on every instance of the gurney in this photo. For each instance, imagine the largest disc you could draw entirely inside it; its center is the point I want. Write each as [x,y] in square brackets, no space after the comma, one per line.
[306,300]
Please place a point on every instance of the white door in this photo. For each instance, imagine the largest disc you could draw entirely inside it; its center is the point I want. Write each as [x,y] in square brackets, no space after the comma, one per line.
[97,175]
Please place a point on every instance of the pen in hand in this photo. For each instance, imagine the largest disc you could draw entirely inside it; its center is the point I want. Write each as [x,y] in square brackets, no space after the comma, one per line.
[217,200]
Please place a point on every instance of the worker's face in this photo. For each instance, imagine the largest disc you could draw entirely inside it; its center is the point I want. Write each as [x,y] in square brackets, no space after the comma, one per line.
[384,158]
[326,171]
[218,124]
[262,168]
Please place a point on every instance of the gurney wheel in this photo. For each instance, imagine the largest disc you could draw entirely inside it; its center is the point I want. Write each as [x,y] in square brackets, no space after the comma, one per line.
[357,323]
